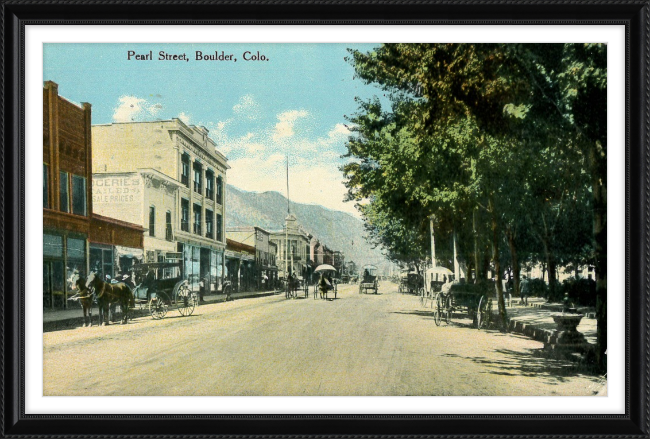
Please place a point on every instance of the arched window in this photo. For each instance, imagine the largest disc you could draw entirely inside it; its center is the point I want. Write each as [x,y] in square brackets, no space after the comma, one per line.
[168,226]
[152,221]
[219,190]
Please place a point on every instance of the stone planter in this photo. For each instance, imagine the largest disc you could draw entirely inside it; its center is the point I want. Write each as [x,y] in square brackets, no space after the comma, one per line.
[567,335]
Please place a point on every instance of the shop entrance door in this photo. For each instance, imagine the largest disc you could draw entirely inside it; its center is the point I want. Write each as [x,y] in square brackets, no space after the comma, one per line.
[53,284]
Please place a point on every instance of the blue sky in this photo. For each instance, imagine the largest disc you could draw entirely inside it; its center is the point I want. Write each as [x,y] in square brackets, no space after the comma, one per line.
[257,111]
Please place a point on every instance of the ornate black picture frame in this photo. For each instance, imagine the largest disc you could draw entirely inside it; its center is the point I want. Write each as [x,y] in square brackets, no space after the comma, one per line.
[634,15]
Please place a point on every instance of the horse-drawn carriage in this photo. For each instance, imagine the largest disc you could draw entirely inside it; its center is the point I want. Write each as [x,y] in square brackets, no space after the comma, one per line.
[447,297]
[369,280]
[160,285]
[411,283]
[326,283]
[297,285]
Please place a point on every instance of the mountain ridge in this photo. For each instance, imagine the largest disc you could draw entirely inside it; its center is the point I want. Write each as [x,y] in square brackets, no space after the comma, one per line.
[337,230]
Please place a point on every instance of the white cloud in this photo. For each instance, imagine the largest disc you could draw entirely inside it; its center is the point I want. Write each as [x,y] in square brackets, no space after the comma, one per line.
[184,117]
[339,130]
[134,109]
[257,160]
[128,109]
[284,128]
[247,107]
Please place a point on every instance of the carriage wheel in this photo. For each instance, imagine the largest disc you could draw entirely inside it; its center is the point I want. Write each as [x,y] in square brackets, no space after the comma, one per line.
[448,309]
[158,306]
[185,301]
[483,313]
[436,304]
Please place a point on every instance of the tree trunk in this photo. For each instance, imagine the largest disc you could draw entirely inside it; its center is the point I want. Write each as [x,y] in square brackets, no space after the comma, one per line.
[515,261]
[599,190]
[497,275]
[550,269]
[552,277]
[477,273]
[550,261]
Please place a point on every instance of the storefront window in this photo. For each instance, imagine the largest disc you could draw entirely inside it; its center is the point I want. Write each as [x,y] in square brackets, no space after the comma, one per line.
[196,260]
[52,245]
[58,284]
[101,261]
[216,268]
[187,260]
[192,259]
[76,258]
[76,249]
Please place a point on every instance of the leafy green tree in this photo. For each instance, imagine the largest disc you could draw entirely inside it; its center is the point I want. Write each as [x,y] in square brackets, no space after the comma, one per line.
[489,131]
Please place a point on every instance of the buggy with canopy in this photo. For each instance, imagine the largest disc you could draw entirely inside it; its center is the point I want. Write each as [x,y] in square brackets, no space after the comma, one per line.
[161,285]
[369,280]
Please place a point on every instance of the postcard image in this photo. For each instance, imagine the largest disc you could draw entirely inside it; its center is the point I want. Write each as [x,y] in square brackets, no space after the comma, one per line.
[324,219]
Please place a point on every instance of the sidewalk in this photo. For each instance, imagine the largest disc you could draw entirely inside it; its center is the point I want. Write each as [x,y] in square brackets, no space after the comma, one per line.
[54,320]
[536,321]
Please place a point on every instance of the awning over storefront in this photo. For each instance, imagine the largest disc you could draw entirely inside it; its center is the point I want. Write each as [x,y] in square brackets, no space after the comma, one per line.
[127,252]
[269,268]
[237,255]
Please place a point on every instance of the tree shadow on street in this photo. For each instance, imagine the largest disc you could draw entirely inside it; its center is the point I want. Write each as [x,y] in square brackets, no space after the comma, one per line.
[531,363]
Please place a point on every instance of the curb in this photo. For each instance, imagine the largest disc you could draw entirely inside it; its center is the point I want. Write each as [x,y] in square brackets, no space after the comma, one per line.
[77,322]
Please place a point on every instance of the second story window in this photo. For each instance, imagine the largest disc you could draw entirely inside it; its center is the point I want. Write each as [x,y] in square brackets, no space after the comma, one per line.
[78,195]
[219,190]
[46,197]
[209,185]
[219,228]
[64,193]
[185,170]
[197,177]
[185,215]
[209,226]
[197,219]
[152,221]
[168,226]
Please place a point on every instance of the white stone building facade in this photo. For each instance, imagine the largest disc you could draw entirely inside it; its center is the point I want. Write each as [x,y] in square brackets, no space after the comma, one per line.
[182,179]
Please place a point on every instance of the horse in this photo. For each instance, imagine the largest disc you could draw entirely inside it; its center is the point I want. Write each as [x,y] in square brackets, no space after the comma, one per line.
[83,296]
[324,285]
[108,294]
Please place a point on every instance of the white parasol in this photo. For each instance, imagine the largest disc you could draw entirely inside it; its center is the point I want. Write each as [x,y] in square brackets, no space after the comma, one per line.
[324,267]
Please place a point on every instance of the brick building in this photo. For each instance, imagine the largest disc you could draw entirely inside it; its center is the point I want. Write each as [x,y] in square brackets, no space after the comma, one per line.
[69,227]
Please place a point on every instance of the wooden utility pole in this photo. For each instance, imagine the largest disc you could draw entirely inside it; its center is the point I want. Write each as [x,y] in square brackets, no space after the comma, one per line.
[433,241]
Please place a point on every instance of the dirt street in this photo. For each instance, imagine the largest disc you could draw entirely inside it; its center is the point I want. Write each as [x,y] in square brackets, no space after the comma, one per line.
[384,344]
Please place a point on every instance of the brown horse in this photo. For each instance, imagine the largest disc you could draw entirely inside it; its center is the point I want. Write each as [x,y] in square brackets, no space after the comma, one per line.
[83,296]
[108,294]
